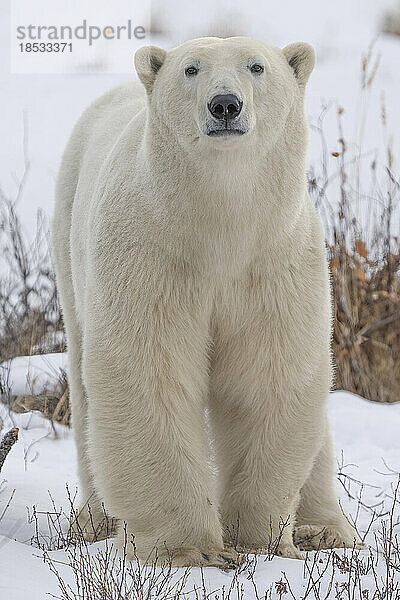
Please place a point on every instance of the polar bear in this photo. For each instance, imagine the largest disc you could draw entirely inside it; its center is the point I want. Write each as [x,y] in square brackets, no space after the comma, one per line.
[192,274]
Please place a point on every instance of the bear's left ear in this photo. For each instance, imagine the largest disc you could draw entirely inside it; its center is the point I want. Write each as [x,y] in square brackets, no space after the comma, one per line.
[301,58]
[148,61]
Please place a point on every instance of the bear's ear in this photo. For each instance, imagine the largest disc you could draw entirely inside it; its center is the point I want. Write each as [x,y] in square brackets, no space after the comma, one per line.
[301,58]
[148,61]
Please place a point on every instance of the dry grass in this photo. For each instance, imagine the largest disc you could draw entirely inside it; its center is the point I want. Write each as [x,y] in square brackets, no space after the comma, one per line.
[100,573]
[30,316]
[52,403]
[362,226]
[366,340]
[362,232]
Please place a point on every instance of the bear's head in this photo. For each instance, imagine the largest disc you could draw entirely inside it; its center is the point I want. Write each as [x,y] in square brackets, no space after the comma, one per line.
[225,92]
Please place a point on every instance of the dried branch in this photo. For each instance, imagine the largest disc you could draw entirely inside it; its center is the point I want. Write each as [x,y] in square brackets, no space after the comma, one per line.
[7,443]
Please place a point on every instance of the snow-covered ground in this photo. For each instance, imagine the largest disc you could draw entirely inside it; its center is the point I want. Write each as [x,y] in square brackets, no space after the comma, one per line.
[43,463]
[32,374]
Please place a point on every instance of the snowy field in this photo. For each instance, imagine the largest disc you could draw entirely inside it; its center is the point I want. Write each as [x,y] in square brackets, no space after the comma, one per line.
[42,464]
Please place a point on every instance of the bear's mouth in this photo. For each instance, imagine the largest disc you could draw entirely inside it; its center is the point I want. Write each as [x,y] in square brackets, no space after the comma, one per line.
[225,132]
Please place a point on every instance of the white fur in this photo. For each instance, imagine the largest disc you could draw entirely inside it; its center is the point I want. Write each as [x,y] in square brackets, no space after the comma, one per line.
[192,274]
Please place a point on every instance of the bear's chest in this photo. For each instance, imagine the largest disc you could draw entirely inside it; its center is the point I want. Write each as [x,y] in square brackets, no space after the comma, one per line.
[223,236]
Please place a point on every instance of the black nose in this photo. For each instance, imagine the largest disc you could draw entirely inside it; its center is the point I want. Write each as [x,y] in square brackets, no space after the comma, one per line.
[225,107]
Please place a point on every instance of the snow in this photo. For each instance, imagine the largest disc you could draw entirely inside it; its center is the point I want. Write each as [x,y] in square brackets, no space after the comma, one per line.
[40,471]
[32,374]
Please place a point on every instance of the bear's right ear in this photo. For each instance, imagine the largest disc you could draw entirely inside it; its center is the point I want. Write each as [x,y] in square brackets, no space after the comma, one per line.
[148,61]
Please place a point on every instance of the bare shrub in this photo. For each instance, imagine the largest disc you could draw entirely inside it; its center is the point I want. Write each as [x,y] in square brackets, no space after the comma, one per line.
[362,233]
[6,443]
[365,276]
[98,572]
[30,318]
[53,402]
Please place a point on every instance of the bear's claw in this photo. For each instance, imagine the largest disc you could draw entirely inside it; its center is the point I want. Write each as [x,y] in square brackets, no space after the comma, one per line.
[285,550]
[224,559]
[314,537]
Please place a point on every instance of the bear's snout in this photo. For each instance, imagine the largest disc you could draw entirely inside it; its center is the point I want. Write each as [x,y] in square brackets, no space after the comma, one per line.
[225,107]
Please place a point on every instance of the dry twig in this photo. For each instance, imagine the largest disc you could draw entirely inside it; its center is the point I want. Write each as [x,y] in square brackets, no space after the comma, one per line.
[7,443]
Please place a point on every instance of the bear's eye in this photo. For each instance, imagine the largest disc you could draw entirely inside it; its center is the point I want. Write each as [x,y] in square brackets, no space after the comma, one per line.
[257,68]
[191,71]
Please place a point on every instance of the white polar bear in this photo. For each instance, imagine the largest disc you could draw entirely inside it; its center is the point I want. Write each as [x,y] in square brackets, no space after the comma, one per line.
[192,273]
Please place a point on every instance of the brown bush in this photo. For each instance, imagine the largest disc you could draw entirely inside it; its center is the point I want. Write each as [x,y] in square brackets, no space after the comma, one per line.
[366,338]
[362,232]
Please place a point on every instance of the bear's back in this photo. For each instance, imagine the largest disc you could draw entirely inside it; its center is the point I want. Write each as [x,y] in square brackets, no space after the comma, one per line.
[90,145]
[102,124]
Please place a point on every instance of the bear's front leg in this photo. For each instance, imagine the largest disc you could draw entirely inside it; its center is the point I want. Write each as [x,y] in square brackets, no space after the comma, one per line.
[270,378]
[266,449]
[145,368]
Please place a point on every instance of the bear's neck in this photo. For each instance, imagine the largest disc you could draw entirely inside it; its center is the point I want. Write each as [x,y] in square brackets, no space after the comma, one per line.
[230,201]
[226,174]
